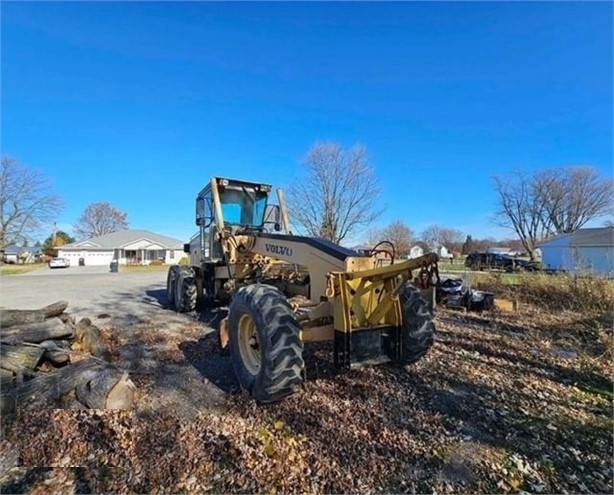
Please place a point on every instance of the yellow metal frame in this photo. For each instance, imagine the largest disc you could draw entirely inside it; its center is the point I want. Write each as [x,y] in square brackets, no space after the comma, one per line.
[369,299]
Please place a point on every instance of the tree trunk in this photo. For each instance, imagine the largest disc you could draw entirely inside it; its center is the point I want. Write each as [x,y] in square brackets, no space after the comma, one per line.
[6,378]
[11,317]
[53,328]
[20,356]
[47,388]
[109,389]
[54,353]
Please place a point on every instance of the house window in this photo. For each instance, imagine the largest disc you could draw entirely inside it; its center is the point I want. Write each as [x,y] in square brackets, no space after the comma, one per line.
[131,257]
[172,254]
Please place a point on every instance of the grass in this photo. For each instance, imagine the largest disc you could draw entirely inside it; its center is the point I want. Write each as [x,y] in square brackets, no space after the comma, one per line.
[19,269]
[588,295]
[143,268]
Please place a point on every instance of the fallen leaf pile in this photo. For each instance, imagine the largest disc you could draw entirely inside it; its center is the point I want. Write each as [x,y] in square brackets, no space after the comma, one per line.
[500,404]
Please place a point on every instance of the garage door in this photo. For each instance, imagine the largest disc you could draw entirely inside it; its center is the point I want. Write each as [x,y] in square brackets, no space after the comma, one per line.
[98,258]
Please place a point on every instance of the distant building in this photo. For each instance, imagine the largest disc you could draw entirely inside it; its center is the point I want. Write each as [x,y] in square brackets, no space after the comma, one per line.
[10,253]
[129,247]
[585,250]
[20,254]
[362,249]
[416,251]
[500,250]
[443,252]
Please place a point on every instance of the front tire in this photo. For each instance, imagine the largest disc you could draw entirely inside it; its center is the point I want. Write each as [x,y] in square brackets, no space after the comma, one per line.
[185,291]
[417,329]
[265,343]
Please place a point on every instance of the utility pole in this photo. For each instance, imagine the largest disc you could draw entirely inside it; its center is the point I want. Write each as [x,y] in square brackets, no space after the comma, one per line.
[54,233]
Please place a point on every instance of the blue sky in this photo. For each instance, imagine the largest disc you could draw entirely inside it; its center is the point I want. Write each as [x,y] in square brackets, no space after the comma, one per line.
[139,103]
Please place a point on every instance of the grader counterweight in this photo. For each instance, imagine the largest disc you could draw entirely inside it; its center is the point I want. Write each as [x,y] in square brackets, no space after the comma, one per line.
[283,290]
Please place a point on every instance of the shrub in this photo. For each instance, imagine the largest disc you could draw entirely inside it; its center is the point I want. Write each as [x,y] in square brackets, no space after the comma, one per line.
[553,292]
[157,262]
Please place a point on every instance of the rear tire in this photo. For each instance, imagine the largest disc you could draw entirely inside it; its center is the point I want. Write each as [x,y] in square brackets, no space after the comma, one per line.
[417,329]
[185,291]
[265,343]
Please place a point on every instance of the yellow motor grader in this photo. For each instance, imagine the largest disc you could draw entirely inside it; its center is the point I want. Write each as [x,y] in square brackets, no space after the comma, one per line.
[283,290]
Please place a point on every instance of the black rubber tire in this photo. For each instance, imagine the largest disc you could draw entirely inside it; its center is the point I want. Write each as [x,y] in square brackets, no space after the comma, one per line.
[281,348]
[418,329]
[171,286]
[185,291]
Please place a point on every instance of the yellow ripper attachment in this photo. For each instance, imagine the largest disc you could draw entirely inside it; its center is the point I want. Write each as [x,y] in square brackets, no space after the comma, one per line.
[370,298]
[367,311]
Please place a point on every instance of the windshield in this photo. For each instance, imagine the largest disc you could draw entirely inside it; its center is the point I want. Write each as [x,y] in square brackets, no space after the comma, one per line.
[242,206]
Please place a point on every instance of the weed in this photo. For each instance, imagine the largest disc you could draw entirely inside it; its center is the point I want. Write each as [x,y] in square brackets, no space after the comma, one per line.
[553,292]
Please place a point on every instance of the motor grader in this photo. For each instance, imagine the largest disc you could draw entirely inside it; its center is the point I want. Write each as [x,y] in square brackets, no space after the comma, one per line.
[284,290]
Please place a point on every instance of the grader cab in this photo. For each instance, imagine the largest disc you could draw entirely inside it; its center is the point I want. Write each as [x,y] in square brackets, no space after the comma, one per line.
[285,290]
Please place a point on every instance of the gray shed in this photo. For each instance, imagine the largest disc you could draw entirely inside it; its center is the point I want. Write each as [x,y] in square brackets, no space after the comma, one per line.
[582,251]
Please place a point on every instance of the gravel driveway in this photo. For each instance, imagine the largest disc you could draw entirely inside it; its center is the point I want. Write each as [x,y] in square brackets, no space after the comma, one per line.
[88,290]
[174,356]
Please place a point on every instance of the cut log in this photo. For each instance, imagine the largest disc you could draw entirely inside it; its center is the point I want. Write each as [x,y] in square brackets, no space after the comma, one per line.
[12,317]
[109,389]
[58,358]
[54,353]
[90,338]
[6,378]
[53,328]
[122,395]
[19,356]
[66,318]
[47,388]
[81,327]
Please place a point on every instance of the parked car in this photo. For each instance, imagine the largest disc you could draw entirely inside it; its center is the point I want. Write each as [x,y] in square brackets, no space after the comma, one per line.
[59,263]
[495,261]
[530,266]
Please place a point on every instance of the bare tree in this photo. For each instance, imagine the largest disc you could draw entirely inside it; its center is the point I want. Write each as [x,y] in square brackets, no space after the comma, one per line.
[435,235]
[338,193]
[27,202]
[99,219]
[573,196]
[522,209]
[549,202]
[401,236]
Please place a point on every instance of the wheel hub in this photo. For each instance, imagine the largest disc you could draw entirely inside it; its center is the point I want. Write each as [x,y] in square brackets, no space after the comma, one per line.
[249,345]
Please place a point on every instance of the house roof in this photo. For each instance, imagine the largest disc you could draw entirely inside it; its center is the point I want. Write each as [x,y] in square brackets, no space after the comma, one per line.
[602,236]
[125,237]
[15,249]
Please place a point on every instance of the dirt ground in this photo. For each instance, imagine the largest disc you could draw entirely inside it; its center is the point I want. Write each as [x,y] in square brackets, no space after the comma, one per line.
[502,403]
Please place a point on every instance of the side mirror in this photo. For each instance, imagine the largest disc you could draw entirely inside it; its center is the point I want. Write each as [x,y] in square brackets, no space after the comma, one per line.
[186,248]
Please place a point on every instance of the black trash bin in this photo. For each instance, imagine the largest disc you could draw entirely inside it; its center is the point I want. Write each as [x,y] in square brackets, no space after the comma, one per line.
[114,266]
[81,261]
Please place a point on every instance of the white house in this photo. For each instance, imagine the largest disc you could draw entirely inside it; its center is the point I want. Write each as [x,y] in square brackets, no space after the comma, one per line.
[585,250]
[129,247]
[416,251]
[21,255]
[443,252]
